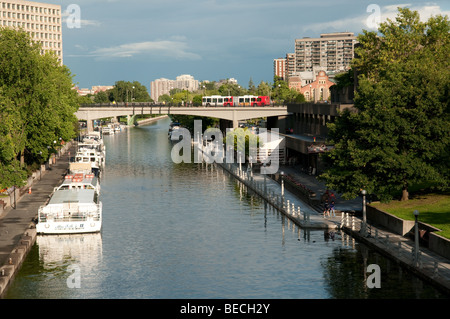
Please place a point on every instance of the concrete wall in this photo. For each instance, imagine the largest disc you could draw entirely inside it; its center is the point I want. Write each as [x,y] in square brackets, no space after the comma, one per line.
[391,222]
[436,243]
[439,245]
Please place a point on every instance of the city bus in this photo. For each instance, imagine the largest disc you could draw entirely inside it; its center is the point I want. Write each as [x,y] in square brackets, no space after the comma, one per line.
[244,100]
[217,100]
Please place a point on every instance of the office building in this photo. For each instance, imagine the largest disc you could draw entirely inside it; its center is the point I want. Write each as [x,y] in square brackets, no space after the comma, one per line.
[41,20]
[332,51]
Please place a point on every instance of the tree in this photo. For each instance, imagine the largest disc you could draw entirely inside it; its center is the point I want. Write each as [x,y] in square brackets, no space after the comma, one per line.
[263,89]
[101,97]
[37,105]
[400,133]
[251,87]
[125,91]
[232,89]
[197,100]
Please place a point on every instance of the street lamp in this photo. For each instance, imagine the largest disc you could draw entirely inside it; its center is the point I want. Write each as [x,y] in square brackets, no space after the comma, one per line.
[265,182]
[282,184]
[416,237]
[364,224]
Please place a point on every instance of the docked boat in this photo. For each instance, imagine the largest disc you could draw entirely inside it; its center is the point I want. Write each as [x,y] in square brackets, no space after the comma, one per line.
[74,207]
[108,130]
[93,137]
[80,181]
[173,127]
[94,157]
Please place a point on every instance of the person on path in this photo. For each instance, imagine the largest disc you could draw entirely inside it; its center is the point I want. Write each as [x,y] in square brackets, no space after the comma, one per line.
[332,209]
[326,209]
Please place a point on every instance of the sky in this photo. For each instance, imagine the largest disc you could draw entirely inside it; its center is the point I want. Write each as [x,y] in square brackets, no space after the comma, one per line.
[105,41]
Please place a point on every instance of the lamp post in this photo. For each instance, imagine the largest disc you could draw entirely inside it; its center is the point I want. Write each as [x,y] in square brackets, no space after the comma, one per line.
[364,223]
[416,237]
[282,184]
[265,182]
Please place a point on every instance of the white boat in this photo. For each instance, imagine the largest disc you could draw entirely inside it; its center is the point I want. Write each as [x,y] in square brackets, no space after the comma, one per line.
[92,146]
[95,158]
[71,210]
[108,130]
[80,181]
[93,137]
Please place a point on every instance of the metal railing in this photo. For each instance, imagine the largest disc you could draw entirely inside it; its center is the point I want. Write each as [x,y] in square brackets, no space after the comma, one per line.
[401,249]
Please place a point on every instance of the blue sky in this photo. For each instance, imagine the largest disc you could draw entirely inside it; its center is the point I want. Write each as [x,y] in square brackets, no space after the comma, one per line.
[138,40]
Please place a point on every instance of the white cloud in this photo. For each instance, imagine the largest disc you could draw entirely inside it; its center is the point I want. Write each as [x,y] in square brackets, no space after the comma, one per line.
[363,21]
[167,48]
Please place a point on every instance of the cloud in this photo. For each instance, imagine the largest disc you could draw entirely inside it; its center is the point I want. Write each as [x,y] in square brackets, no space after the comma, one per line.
[366,19]
[174,49]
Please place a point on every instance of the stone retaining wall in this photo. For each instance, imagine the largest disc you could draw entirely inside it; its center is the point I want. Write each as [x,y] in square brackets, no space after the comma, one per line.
[436,243]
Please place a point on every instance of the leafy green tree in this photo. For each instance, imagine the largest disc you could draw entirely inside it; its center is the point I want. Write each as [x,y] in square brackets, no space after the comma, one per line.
[101,97]
[37,104]
[264,89]
[251,87]
[165,98]
[197,100]
[400,134]
[232,89]
[125,91]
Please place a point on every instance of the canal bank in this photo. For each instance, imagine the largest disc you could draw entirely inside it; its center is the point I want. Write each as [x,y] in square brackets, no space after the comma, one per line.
[17,226]
[428,265]
[308,213]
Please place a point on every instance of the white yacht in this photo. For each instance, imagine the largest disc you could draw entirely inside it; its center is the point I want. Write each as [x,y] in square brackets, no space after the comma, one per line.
[74,207]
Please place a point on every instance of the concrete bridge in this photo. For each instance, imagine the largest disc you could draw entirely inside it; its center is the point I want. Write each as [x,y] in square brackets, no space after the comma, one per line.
[91,112]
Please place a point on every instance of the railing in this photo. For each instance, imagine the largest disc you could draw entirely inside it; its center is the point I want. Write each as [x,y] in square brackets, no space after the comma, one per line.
[403,250]
[69,215]
[153,104]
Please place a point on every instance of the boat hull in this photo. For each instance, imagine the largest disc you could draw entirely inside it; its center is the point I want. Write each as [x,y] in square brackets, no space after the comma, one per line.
[69,227]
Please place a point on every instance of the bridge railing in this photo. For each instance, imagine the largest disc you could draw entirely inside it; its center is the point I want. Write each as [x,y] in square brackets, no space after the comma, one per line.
[155,104]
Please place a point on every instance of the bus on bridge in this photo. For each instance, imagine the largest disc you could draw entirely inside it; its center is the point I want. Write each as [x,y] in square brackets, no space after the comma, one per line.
[244,100]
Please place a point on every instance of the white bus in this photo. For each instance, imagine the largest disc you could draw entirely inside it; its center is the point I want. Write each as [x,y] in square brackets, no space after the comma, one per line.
[217,100]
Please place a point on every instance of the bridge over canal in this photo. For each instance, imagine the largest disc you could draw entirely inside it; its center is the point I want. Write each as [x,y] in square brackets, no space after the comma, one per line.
[91,112]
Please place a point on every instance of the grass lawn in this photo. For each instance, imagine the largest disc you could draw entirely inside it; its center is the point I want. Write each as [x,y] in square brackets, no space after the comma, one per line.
[434,209]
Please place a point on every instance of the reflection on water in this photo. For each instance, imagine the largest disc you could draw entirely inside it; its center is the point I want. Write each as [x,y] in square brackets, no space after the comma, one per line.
[191,231]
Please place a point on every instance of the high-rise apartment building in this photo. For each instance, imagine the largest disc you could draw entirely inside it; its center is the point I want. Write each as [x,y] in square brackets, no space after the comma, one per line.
[41,20]
[290,65]
[279,68]
[332,51]
[160,87]
[163,86]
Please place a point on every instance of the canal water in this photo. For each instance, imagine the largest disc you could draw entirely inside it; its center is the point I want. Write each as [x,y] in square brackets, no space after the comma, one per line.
[186,231]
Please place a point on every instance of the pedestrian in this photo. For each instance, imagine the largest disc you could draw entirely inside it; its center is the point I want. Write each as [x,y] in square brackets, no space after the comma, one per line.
[326,209]
[332,209]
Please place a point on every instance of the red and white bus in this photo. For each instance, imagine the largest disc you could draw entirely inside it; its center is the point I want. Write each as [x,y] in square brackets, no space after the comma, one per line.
[244,100]
[217,100]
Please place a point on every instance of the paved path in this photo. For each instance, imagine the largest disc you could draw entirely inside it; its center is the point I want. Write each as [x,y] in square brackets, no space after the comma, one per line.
[14,223]
[293,207]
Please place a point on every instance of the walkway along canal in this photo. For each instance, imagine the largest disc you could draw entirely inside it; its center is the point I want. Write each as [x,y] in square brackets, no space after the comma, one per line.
[191,231]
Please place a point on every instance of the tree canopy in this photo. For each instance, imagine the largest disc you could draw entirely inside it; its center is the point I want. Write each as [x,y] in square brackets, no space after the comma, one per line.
[37,105]
[400,132]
